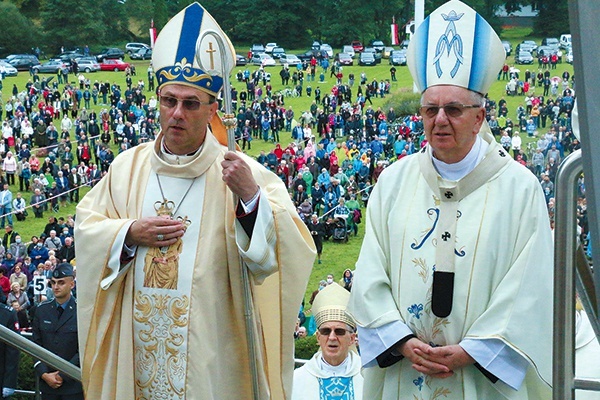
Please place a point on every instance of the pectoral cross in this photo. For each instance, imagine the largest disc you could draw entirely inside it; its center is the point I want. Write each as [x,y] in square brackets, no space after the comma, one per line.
[446,236]
[210,51]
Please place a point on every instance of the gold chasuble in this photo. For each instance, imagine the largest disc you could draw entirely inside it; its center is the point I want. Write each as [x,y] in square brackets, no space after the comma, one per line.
[170,324]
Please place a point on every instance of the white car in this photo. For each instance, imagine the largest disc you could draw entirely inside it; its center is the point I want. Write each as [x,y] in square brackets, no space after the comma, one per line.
[349,50]
[270,46]
[290,59]
[263,59]
[328,49]
[7,70]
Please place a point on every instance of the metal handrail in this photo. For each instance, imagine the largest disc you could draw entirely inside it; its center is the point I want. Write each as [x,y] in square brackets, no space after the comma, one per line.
[570,271]
[33,349]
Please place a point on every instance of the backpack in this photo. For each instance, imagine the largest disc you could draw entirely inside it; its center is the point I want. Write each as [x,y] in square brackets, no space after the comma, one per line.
[356,216]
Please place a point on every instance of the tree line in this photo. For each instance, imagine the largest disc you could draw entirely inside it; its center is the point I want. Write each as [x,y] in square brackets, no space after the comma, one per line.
[52,24]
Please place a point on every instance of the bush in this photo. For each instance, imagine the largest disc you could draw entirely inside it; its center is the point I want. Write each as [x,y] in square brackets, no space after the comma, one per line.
[404,102]
[26,379]
[306,347]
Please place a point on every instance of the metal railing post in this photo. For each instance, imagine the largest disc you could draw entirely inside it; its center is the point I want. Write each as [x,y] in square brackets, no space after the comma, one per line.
[565,243]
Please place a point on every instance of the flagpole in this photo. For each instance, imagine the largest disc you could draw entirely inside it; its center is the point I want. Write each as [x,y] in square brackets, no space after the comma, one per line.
[230,122]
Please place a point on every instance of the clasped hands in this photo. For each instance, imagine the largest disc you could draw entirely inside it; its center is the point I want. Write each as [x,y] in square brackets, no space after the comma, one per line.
[438,362]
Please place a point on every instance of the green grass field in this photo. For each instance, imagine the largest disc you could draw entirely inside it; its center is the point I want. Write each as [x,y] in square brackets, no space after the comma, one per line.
[336,256]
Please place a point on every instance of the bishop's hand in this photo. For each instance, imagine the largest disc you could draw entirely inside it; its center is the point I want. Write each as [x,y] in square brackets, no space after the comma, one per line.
[154,232]
[238,176]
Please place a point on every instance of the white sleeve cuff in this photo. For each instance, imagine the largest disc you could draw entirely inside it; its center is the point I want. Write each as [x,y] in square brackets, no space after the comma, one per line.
[499,359]
[114,262]
[251,205]
[375,341]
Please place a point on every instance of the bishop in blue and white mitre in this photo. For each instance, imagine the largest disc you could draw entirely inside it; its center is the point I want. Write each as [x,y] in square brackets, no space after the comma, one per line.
[453,286]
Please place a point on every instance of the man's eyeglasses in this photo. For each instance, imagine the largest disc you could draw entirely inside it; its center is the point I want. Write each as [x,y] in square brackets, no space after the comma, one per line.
[452,110]
[188,104]
[337,331]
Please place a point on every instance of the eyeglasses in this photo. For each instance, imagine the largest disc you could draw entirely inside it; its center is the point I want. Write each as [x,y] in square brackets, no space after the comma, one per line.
[337,331]
[189,105]
[453,110]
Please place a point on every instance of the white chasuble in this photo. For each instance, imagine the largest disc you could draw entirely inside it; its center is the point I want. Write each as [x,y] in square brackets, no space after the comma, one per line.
[497,243]
[161,309]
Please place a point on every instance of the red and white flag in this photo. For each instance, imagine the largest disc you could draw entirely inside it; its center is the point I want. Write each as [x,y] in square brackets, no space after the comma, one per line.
[394,32]
[152,34]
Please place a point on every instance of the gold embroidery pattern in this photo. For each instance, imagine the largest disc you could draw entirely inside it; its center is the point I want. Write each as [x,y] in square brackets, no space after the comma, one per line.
[160,363]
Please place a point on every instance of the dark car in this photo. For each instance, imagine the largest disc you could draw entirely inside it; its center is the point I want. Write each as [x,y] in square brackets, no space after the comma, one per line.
[22,62]
[142,54]
[523,57]
[50,67]
[277,52]
[111,53]
[398,57]
[307,55]
[240,60]
[366,58]
[344,59]
[69,56]
[375,53]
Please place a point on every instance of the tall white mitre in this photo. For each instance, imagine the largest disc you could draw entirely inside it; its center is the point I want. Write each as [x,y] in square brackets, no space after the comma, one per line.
[455,46]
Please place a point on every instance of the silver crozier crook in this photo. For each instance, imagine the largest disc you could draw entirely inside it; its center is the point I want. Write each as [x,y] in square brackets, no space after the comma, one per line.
[230,122]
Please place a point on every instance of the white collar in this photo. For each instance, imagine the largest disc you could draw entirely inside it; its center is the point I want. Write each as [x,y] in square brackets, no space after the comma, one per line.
[175,159]
[330,370]
[459,170]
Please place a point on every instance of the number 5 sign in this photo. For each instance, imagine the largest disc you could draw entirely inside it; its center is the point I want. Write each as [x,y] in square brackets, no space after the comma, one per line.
[39,285]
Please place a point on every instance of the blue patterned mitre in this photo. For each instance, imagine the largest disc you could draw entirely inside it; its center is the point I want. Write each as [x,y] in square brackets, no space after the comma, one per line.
[182,55]
[455,46]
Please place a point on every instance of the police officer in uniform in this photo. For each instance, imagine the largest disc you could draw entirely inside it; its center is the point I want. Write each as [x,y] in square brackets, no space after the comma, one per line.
[55,328]
[9,355]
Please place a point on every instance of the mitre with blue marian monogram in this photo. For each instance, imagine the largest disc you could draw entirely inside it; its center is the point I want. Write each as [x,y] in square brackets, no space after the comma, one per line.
[455,46]
[187,53]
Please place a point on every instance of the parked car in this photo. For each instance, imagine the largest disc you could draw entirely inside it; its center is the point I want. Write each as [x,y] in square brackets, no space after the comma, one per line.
[528,47]
[23,62]
[240,60]
[307,55]
[257,49]
[366,58]
[523,57]
[290,59]
[404,44]
[263,59]
[565,41]
[131,48]
[277,52]
[378,45]
[548,51]
[8,70]
[111,53]
[69,56]
[270,46]
[398,57]
[50,67]
[349,50]
[551,42]
[507,47]
[316,45]
[114,65]
[327,48]
[387,51]
[357,46]
[344,59]
[530,43]
[376,54]
[142,54]
[88,65]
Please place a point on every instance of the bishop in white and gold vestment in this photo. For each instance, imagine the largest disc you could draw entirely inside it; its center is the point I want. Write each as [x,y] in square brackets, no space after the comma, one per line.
[168,322]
